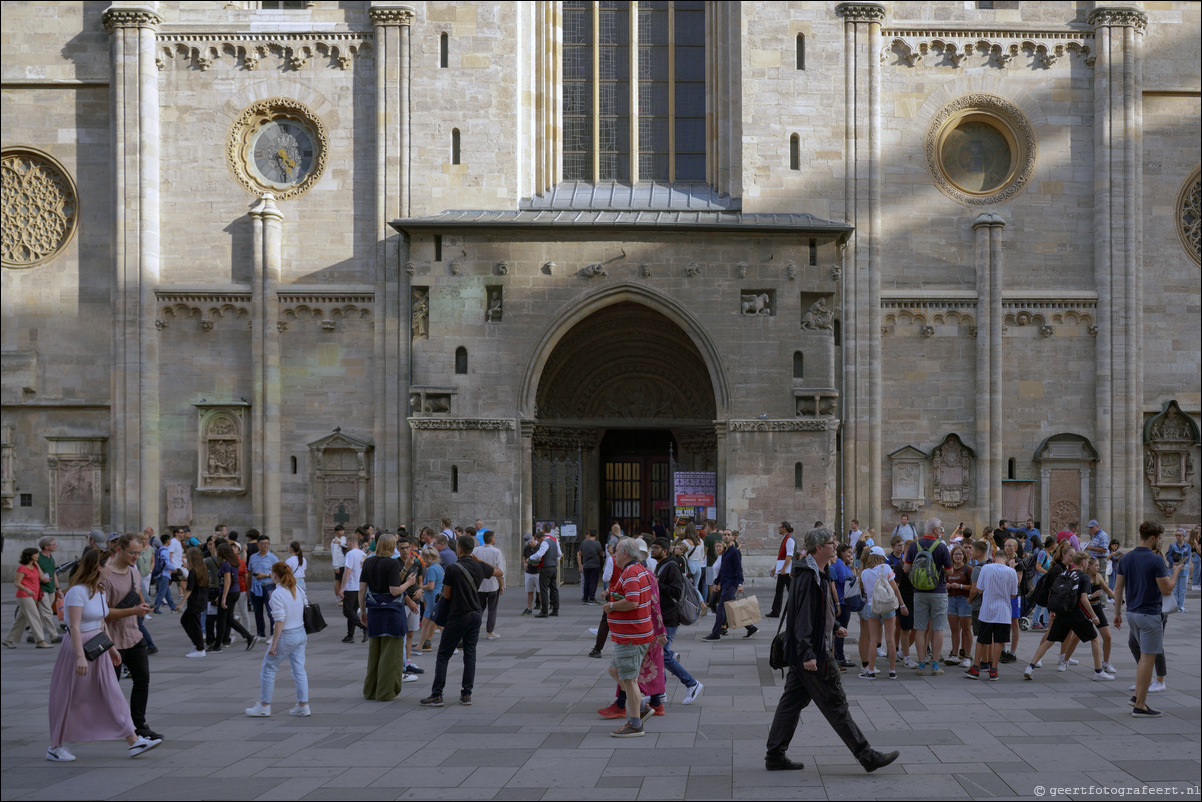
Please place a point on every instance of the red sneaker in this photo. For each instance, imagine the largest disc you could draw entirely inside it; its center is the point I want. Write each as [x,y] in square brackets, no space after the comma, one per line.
[658,709]
[613,711]
[993,674]
[973,673]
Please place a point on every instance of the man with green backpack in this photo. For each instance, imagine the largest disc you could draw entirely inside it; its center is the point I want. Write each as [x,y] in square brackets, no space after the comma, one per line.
[927,560]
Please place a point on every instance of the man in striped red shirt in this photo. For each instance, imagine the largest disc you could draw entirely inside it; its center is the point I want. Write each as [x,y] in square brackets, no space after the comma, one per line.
[628,613]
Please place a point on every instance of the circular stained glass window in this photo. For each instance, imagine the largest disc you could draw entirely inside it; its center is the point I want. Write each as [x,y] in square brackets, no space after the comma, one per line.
[976,156]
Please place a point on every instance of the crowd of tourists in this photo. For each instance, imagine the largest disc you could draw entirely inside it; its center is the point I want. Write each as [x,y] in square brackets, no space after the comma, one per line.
[925,600]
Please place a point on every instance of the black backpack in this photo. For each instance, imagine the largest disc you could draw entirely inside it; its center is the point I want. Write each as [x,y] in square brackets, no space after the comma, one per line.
[1063,596]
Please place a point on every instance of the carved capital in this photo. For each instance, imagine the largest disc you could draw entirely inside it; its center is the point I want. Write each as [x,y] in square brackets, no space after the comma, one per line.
[391,15]
[861,12]
[131,17]
[989,219]
[1118,17]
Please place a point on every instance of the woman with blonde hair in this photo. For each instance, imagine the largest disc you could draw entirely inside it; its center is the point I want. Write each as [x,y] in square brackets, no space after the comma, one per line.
[288,640]
[432,575]
[86,703]
[384,615]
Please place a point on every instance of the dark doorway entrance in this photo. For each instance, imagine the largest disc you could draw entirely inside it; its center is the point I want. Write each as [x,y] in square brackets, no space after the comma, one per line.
[636,479]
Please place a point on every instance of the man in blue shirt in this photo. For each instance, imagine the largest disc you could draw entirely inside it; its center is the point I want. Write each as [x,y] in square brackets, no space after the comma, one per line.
[1027,534]
[258,565]
[1143,580]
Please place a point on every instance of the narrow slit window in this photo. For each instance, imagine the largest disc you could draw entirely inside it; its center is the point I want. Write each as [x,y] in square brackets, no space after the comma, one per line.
[801,51]
[1010,466]
[443,51]
[454,478]
[798,476]
[798,365]
[293,459]
[438,247]
[813,252]
[455,146]
[795,152]
[461,360]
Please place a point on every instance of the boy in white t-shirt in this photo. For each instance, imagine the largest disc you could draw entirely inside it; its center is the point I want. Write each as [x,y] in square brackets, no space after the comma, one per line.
[996,584]
[349,590]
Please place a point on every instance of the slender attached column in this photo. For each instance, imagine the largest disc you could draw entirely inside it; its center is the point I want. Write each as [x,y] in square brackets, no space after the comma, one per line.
[1119,261]
[134,412]
[983,429]
[267,224]
[863,448]
[996,276]
[392,489]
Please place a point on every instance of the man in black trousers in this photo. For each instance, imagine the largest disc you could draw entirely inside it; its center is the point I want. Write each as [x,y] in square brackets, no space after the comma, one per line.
[810,629]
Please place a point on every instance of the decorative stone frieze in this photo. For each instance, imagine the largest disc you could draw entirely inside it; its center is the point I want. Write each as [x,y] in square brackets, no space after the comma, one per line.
[565,437]
[221,449]
[39,207]
[908,477]
[202,51]
[801,425]
[1118,17]
[951,471]
[391,15]
[1189,216]
[960,48]
[1046,312]
[461,424]
[76,483]
[1168,464]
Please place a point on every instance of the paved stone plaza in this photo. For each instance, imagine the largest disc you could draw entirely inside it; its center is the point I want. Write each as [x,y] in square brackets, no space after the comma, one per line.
[533,733]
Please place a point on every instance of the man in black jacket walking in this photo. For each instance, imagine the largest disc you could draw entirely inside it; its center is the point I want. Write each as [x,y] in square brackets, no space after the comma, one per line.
[669,572]
[810,626]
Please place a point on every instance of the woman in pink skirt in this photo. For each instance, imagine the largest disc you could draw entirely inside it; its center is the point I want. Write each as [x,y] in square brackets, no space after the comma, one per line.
[85,702]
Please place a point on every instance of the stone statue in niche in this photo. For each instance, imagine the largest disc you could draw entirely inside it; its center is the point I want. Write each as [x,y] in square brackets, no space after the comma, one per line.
[493,313]
[818,317]
[951,464]
[759,304]
[222,453]
[420,321]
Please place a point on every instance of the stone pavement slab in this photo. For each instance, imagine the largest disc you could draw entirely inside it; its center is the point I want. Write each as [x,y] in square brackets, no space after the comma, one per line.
[533,732]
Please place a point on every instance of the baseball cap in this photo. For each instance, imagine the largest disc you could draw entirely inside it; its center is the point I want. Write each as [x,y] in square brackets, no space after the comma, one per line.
[878,551]
[193,541]
[1095,523]
[114,536]
[96,536]
[643,550]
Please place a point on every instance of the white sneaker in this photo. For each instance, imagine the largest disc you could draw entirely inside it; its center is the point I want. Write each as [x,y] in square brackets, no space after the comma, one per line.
[196,653]
[880,651]
[693,694]
[1157,687]
[1039,664]
[59,754]
[494,636]
[408,677]
[910,663]
[1028,673]
[592,630]
[1062,666]
[1102,675]
[300,710]
[143,745]
[1072,661]
[1109,669]
[260,710]
[967,663]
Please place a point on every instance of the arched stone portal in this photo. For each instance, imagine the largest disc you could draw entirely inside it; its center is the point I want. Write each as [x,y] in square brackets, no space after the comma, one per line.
[624,396]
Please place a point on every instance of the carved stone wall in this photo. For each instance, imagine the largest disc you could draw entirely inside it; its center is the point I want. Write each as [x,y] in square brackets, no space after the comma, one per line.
[76,483]
[221,449]
[1169,439]
[951,472]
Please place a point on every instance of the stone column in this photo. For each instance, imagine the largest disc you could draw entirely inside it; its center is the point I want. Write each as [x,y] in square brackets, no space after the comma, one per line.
[720,462]
[1119,261]
[267,223]
[983,430]
[995,458]
[862,35]
[134,413]
[393,436]
[525,505]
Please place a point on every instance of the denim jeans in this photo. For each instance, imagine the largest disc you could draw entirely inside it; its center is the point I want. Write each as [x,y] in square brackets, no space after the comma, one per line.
[729,592]
[460,628]
[164,593]
[261,603]
[1195,571]
[672,665]
[1179,589]
[291,647]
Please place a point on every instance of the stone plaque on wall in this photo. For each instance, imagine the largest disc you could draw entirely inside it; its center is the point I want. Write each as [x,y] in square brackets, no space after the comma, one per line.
[908,473]
[221,449]
[76,483]
[951,469]
[179,505]
[341,503]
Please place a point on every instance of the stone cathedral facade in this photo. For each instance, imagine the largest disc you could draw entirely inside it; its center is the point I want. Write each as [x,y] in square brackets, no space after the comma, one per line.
[284,264]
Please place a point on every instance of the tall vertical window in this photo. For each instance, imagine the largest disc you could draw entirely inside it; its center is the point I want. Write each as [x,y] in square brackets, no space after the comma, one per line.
[455,155]
[801,51]
[443,51]
[795,152]
[634,91]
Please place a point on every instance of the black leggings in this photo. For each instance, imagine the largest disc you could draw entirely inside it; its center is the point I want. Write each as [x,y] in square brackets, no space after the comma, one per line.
[190,621]
[226,622]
